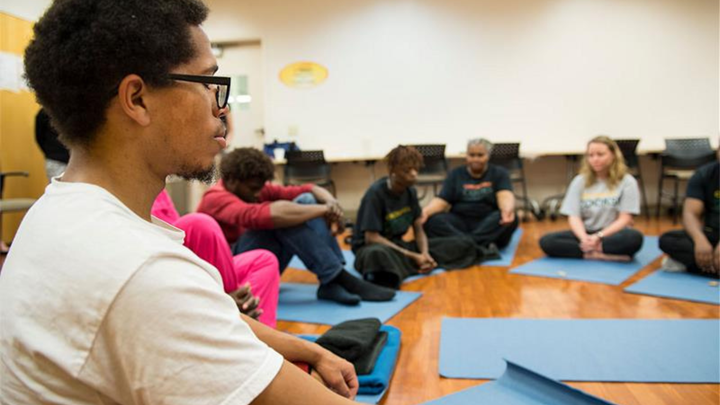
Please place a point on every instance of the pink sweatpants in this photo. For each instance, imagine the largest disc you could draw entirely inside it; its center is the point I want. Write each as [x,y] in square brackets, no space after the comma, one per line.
[257,267]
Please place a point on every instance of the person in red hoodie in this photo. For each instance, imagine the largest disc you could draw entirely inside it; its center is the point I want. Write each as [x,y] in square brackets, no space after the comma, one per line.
[286,220]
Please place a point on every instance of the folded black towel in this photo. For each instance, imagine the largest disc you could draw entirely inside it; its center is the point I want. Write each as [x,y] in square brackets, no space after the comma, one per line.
[366,363]
[351,339]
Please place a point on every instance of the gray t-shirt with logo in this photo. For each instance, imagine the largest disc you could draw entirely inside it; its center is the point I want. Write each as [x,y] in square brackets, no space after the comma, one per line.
[597,205]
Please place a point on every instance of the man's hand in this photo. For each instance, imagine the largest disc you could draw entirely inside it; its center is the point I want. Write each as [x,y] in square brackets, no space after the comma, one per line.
[704,256]
[507,217]
[246,302]
[334,212]
[429,265]
[337,374]
[591,243]
[424,262]
[335,217]
[717,259]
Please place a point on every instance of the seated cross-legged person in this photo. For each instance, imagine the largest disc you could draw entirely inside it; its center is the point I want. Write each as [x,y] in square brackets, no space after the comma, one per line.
[251,278]
[388,209]
[476,200]
[696,248]
[600,203]
[256,214]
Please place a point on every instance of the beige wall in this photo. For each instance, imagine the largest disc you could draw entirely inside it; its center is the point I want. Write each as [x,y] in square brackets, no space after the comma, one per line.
[548,73]
[18,150]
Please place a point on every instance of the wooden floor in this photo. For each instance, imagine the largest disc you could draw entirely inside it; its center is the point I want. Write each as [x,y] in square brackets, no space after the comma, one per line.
[492,292]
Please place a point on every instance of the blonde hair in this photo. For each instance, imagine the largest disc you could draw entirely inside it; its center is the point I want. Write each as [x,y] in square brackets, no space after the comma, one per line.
[617,170]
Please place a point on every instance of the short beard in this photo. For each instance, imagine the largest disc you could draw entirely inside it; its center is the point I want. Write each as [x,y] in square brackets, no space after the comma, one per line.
[206,176]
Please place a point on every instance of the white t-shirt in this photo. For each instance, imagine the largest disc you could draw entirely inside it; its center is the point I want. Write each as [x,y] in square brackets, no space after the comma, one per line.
[98,306]
[598,205]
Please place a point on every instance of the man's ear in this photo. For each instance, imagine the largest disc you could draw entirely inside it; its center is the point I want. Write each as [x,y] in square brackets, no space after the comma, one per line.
[131,91]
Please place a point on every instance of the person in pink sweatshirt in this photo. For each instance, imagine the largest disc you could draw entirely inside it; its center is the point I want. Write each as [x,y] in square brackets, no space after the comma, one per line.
[251,278]
[286,220]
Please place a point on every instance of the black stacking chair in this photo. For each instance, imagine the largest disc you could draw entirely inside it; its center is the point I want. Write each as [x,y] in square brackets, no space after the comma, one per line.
[678,162]
[628,147]
[507,155]
[12,204]
[434,170]
[308,166]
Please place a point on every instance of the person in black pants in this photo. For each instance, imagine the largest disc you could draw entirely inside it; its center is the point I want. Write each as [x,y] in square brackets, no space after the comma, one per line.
[600,204]
[388,209]
[696,246]
[476,200]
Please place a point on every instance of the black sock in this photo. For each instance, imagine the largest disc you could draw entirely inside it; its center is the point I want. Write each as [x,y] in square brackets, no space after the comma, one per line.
[333,291]
[366,291]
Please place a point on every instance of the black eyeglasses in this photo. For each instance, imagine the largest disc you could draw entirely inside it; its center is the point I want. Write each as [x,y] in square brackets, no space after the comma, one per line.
[219,83]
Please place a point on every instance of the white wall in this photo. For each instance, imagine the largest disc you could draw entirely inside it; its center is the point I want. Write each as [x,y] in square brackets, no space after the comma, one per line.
[549,73]
[29,10]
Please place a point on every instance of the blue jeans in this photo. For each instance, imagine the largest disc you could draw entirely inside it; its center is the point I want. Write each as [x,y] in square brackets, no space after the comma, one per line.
[312,242]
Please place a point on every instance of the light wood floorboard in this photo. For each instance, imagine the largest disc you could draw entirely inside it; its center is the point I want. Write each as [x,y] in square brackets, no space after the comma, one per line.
[492,292]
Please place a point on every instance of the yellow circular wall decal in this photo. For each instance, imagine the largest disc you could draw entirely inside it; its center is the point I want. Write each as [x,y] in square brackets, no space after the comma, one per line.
[303,74]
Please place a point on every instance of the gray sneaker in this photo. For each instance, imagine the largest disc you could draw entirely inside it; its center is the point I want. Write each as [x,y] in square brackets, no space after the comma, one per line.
[671,265]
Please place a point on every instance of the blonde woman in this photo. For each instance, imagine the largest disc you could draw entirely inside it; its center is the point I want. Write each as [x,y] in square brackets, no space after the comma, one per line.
[600,204]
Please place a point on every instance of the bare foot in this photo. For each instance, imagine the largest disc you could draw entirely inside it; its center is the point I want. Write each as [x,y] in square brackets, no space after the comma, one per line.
[606,257]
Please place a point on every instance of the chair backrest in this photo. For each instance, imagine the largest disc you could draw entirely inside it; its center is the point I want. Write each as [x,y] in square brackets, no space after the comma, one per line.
[687,153]
[434,161]
[628,147]
[506,155]
[306,165]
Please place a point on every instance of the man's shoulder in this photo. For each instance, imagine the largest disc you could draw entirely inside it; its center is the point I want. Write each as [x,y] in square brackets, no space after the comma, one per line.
[217,193]
[497,171]
[458,172]
[708,171]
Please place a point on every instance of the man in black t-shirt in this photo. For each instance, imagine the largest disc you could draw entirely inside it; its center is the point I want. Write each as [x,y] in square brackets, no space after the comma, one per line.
[476,200]
[388,209]
[696,247]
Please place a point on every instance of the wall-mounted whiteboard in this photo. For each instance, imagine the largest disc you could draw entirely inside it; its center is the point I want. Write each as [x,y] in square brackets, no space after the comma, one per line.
[548,73]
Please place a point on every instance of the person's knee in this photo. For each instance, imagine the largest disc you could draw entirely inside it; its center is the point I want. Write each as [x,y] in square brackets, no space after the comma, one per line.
[547,245]
[514,224]
[634,241]
[267,259]
[197,220]
[668,242]
[305,198]
[434,220]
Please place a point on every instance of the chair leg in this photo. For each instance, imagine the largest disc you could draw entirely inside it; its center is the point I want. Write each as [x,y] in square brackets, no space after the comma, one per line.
[642,191]
[526,202]
[675,201]
[659,196]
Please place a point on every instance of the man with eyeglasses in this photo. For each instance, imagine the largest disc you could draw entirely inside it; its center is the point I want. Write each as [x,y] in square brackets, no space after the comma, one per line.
[100,303]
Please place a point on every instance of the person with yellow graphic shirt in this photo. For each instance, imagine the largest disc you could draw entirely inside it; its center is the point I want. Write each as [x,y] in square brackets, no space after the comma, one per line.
[476,200]
[600,204]
[388,209]
[695,248]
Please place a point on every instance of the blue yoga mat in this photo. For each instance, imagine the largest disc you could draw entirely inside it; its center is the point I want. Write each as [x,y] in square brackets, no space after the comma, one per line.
[594,271]
[507,254]
[673,351]
[348,255]
[680,285]
[299,303]
[520,386]
[373,386]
